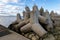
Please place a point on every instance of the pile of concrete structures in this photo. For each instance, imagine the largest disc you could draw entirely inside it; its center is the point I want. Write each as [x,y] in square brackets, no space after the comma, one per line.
[37,25]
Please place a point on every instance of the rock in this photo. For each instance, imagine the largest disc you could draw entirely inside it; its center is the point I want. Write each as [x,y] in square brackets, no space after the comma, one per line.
[26,35]
[31,35]
[34,38]
[50,37]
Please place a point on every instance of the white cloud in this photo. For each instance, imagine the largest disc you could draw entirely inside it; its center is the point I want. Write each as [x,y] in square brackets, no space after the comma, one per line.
[1,6]
[5,1]
[9,8]
[58,11]
[15,1]
[13,9]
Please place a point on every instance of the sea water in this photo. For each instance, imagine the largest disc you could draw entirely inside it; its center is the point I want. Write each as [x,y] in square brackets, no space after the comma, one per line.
[7,20]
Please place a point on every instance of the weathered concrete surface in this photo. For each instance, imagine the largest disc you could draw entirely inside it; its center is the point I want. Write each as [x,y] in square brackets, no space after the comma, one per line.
[32,36]
[37,28]
[49,37]
[12,35]
[18,18]
[23,14]
[49,21]
[56,20]
[35,19]
[23,23]
[27,13]
[26,28]
[57,23]
[42,19]
[4,31]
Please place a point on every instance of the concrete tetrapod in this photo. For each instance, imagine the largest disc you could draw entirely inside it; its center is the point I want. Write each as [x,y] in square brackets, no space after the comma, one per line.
[26,28]
[35,24]
[23,14]
[42,19]
[24,22]
[18,26]
[49,21]
[18,19]
[27,13]
[36,27]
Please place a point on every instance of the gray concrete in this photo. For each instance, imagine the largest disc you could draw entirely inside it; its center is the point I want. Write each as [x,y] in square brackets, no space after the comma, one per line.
[13,36]
[36,27]
[26,28]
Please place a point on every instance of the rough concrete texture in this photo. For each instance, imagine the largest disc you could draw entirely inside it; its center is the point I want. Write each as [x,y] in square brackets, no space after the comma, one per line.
[43,27]
[26,28]
[11,36]
[42,19]
[38,29]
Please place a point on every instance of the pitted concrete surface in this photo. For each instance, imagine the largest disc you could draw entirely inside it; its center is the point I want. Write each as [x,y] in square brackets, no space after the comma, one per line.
[13,36]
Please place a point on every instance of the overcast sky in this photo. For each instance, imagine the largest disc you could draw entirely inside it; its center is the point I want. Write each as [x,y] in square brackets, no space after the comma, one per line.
[15,6]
